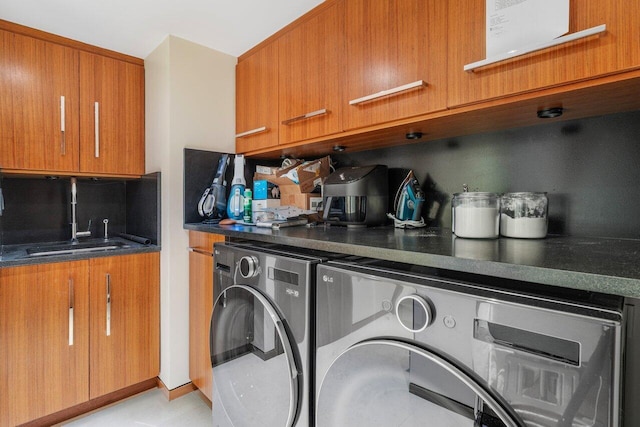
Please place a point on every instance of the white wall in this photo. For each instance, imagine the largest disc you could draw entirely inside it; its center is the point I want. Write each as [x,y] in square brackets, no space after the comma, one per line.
[190,102]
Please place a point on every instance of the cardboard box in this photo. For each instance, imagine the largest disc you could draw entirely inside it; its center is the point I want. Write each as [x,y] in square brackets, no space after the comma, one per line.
[306,201]
[309,176]
[277,170]
[259,206]
[263,189]
[292,164]
[266,170]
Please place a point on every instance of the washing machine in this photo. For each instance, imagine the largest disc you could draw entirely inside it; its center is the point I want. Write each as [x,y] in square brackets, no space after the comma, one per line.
[261,340]
[399,345]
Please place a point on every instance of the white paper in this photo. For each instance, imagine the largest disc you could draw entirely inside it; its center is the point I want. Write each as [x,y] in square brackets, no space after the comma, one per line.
[512,25]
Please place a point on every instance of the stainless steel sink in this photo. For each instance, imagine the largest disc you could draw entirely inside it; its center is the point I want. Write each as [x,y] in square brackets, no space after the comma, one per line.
[74,248]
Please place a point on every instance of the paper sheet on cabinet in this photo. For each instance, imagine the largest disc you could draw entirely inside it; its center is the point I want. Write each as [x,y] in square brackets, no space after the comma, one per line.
[514,24]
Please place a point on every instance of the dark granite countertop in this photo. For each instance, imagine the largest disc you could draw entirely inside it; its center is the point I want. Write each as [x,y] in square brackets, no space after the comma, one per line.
[16,255]
[604,265]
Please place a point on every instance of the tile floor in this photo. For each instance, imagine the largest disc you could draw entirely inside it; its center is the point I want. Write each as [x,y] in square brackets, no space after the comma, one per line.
[150,408]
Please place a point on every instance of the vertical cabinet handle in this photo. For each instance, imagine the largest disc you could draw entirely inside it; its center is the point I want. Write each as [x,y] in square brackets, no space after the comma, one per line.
[96,111]
[63,142]
[71,306]
[108,304]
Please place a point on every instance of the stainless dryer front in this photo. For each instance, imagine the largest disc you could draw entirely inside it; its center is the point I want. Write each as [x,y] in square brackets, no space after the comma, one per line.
[397,346]
[260,338]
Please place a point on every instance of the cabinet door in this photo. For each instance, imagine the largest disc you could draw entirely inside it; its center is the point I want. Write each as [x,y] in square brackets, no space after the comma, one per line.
[200,306]
[201,296]
[7,59]
[111,116]
[614,51]
[125,321]
[257,100]
[44,340]
[392,44]
[39,106]
[311,58]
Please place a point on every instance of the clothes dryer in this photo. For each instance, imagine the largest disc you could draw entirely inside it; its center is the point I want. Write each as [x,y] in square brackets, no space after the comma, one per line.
[399,345]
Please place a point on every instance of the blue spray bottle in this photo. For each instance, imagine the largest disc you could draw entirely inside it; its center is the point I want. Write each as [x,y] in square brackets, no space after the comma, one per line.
[235,205]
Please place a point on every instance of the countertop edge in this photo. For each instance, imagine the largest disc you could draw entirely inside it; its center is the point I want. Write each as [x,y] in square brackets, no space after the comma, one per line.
[76,257]
[580,280]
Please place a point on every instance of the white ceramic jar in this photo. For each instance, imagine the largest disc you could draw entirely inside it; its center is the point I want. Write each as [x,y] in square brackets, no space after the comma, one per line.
[524,215]
[476,215]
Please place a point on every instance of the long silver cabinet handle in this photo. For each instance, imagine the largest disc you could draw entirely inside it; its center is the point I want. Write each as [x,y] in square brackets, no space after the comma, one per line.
[96,112]
[383,93]
[63,142]
[306,116]
[72,302]
[536,47]
[252,132]
[108,277]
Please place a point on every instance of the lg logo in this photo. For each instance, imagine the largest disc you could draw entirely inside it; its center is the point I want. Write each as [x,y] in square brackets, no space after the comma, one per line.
[293,293]
[327,279]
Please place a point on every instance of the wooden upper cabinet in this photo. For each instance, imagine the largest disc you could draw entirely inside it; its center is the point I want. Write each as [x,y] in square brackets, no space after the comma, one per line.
[111,116]
[44,339]
[613,51]
[391,44]
[7,64]
[257,100]
[311,58]
[125,321]
[39,105]
[50,87]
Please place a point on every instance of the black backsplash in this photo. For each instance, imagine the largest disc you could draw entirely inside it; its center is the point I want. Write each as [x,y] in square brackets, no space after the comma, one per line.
[590,169]
[143,207]
[199,170]
[39,209]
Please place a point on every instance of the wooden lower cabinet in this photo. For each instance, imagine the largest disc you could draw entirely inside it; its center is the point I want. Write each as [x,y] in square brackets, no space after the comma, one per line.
[201,297]
[125,321]
[44,340]
[54,348]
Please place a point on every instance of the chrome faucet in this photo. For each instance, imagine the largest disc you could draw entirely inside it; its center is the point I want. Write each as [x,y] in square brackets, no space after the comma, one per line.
[74,223]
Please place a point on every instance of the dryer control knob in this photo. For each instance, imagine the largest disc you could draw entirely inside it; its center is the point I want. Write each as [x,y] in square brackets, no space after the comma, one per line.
[414,313]
[248,266]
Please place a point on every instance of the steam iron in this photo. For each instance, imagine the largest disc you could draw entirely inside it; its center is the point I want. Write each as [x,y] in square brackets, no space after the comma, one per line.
[408,204]
[213,203]
[235,207]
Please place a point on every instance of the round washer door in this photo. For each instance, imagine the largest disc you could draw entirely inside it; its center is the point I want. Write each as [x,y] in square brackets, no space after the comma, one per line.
[386,382]
[256,375]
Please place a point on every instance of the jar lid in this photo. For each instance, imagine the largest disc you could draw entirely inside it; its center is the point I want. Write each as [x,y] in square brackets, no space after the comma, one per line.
[526,194]
[475,194]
